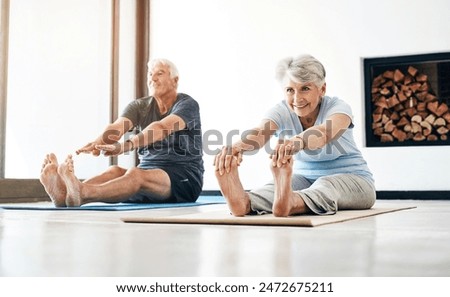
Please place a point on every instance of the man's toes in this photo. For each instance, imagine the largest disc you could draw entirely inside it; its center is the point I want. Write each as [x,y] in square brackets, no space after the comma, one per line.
[52,158]
[45,162]
[70,165]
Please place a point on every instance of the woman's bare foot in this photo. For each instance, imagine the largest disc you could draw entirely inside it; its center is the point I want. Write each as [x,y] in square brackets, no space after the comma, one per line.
[231,188]
[52,181]
[73,185]
[286,202]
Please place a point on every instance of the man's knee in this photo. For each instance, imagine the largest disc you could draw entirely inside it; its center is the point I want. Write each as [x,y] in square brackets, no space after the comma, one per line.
[134,172]
[116,170]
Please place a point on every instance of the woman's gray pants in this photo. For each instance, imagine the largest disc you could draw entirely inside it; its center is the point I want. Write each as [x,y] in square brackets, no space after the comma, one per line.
[324,196]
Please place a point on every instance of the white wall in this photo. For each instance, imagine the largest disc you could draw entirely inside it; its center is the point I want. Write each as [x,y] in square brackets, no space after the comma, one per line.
[226,51]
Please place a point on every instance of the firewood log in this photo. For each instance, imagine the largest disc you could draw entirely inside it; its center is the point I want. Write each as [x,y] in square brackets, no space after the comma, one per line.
[412,71]
[386,137]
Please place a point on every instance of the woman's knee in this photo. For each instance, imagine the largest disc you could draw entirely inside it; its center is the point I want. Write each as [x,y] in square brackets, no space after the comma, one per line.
[355,192]
[372,197]
[368,194]
[343,191]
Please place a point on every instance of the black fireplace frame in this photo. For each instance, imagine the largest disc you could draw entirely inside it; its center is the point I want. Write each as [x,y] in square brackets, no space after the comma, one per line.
[369,64]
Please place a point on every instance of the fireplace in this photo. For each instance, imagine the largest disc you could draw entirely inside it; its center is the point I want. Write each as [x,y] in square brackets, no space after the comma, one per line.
[407,100]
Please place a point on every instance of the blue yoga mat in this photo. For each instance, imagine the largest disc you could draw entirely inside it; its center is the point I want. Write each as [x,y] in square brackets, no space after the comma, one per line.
[202,200]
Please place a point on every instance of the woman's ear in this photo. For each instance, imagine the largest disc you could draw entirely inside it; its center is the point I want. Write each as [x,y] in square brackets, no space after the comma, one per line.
[323,89]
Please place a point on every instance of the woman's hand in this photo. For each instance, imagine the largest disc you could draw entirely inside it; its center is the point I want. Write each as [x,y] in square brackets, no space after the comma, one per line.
[223,159]
[285,149]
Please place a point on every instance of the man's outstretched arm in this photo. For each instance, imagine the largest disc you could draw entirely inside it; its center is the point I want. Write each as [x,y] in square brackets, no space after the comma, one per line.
[154,132]
[111,134]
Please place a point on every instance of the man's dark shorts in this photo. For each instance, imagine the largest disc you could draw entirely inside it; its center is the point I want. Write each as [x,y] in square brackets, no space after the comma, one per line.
[186,186]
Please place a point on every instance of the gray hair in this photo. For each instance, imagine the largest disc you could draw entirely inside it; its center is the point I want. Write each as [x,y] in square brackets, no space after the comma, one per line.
[301,69]
[172,68]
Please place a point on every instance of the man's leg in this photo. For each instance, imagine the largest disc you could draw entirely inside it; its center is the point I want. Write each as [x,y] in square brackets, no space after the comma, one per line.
[52,182]
[119,189]
[233,191]
[55,186]
[111,173]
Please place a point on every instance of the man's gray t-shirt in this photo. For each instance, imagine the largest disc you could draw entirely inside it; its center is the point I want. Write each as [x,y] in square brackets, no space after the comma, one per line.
[181,148]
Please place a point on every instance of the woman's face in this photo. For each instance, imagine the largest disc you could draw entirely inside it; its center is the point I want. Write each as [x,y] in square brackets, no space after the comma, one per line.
[303,98]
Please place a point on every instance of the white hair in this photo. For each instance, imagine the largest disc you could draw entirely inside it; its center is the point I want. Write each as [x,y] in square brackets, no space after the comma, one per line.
[172,68]
[301,69]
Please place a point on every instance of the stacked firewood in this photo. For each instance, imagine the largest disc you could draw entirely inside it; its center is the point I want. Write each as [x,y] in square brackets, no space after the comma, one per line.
[405,108]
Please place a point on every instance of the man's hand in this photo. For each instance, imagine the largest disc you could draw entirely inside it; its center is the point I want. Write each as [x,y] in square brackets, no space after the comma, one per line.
[89,148]
[111,149]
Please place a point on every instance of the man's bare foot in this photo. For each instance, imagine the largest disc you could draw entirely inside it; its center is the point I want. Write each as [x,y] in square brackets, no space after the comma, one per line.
[52,181]
[73,185]
[285,202]
[231,188]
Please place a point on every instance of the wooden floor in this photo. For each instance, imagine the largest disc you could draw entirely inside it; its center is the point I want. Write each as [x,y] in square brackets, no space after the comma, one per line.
[412,242]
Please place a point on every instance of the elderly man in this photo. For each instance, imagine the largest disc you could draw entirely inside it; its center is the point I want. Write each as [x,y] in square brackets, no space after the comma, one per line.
[169,146]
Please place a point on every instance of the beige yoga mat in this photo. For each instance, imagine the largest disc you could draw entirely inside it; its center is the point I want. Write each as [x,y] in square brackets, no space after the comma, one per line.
[225,218]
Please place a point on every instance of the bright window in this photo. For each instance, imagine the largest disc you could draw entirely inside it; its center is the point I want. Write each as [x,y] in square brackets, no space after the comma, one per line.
[58,82]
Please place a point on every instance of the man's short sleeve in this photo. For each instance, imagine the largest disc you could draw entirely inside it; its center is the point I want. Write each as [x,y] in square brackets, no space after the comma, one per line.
[131,112]
[189,110]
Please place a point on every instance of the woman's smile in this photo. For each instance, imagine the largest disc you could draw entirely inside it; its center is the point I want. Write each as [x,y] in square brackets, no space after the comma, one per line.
[300,106]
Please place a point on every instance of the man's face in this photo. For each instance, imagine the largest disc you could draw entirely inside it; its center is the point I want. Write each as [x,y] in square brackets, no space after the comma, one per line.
[159,81]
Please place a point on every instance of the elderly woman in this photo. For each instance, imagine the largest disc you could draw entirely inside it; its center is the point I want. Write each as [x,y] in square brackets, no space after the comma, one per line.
[316,165]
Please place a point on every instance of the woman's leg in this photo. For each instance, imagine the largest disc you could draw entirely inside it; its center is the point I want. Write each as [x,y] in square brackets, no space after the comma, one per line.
[263,199]
[233,191]
[340,191]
